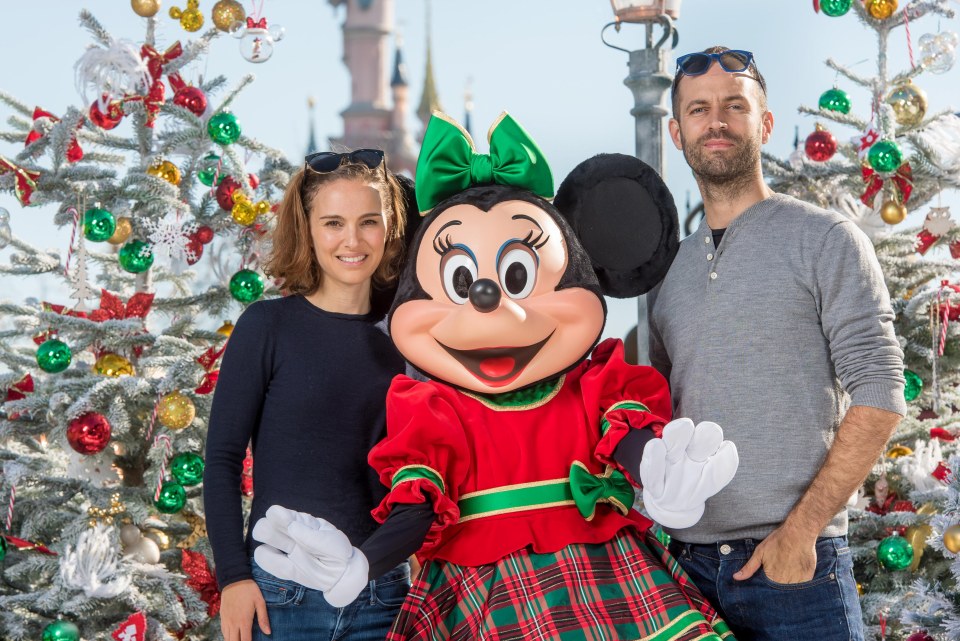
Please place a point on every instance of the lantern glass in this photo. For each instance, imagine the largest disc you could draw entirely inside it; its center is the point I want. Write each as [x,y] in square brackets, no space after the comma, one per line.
[644,10]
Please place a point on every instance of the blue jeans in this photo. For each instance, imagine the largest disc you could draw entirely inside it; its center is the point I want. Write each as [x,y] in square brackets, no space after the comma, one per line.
[300,614]
[826,608]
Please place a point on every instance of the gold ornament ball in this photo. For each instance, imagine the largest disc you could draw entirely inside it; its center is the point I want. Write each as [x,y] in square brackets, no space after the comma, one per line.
[951,538]
[145,8]
[909,103]
[226,329]
[860,589]
[122,232]
[881,9]
[226,13]
[165,170]
[113,365]
[918,535]
[159,537]
[893,213]
[176,411]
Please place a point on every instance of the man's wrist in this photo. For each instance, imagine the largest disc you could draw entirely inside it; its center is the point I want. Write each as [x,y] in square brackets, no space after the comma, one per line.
[800,529]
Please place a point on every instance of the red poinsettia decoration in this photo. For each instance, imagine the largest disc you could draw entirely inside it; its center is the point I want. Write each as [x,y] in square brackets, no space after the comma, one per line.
[201,579]
[112,307]
[208,360]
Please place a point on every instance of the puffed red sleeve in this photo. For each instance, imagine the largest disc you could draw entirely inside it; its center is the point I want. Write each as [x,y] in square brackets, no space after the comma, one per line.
[627,397]
[424,457]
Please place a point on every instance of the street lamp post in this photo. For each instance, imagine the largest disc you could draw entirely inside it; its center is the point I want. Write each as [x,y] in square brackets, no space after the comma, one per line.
[649,80]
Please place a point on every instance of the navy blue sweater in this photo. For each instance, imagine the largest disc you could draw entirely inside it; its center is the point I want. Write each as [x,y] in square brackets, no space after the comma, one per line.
[309,388]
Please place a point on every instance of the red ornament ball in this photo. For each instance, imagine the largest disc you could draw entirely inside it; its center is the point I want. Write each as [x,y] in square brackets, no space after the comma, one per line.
[820,145]
[225,192]
[107,120]
[204,234]
[920,635]
[191,98]
[89,433]
[253,180]
[194,250]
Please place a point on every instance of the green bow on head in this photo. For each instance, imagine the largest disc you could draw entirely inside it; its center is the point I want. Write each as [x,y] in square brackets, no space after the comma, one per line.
[449,162]
[589,489]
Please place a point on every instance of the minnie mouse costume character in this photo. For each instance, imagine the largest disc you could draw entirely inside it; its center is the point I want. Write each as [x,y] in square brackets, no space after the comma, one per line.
[511,468]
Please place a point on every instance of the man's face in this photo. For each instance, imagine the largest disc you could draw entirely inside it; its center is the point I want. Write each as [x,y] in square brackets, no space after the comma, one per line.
[721,124]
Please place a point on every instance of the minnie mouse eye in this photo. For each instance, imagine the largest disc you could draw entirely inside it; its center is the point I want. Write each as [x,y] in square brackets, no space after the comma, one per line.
[458,272]
[518,272]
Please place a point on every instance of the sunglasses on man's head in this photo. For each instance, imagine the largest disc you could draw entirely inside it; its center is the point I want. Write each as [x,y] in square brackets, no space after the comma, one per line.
[731,61]
[327,161]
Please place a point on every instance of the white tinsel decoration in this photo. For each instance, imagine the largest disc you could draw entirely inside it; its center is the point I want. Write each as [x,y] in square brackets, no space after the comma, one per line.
[943,135]
[866,218]
[112,72]
[918,467]
[94,566]
[171,238]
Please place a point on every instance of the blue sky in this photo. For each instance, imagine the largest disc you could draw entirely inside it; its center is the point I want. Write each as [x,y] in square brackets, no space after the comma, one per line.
[542,60]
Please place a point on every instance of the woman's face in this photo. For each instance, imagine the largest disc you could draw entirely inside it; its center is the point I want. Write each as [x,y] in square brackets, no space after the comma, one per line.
[349,231]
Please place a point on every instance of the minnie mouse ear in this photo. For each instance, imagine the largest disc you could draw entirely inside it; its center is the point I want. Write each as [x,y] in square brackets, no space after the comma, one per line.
[626,220]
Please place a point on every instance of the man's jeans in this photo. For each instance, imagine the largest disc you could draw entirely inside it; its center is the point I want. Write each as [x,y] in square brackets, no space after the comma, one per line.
[300,614]
[826,608]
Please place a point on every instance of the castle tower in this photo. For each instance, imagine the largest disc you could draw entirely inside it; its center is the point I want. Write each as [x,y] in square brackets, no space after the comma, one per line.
[429,99]
[369,119]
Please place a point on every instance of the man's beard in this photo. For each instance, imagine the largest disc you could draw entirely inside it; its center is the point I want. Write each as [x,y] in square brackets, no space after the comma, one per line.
[737,164]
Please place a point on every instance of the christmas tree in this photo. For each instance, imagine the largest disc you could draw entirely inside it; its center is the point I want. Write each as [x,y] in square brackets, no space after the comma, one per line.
[905,527]
[105,397]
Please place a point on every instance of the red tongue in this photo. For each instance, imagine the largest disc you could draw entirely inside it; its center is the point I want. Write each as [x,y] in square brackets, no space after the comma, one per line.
[497,367]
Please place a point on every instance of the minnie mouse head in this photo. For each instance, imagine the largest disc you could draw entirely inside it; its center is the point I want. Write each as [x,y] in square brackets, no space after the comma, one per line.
[504,289]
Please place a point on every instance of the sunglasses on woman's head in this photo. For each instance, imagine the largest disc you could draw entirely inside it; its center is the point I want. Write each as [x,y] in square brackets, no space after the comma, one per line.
[731,61]
[327,161]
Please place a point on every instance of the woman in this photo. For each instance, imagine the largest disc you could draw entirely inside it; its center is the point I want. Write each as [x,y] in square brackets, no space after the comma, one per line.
[304,378]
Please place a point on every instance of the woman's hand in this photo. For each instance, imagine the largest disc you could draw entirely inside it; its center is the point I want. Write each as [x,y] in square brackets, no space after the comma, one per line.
[239,602]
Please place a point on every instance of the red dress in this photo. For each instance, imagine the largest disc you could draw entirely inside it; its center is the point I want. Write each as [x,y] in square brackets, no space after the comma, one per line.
[497,471]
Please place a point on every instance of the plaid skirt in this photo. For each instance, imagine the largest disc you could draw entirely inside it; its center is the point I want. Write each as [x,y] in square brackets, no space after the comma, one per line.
[628,589]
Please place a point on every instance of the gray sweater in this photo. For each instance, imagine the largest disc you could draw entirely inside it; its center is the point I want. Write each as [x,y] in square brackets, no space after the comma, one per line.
[772,335]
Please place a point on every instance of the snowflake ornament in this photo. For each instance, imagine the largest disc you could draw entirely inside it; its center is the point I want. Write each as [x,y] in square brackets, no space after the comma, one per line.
[171,238]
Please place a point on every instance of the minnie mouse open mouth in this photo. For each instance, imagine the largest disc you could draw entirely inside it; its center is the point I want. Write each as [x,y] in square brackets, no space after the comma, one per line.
[496,366]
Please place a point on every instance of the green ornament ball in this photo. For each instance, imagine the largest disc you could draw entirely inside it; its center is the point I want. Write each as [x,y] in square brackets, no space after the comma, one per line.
[172,498]
[885,156]
[913,386]
[835,100]
[61,630]
[835,8]
[187,468]
[3,547]
[54,356]
[98,224]
[135,256]
[224,128]
[895,553]
[246,286]
[207,170]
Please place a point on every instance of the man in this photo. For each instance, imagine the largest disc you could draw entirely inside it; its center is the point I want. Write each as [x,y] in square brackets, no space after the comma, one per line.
[772,315]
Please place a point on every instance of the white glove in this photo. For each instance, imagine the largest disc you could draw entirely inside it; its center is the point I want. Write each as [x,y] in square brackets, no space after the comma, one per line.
[311,551]
[680,471]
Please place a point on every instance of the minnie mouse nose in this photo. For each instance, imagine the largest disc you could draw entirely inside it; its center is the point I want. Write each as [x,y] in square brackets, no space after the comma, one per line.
[484,295]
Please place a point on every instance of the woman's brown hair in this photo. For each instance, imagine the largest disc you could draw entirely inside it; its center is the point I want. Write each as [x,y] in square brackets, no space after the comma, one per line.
[292,256]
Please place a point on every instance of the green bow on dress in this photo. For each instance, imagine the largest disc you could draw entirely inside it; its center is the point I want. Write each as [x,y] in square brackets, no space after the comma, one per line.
[449,162]
[589,489]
